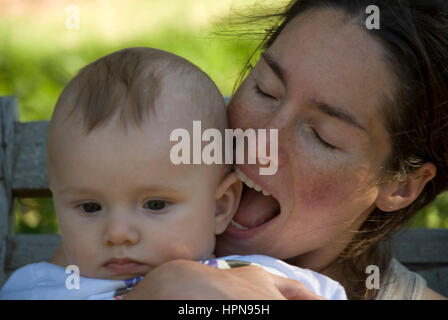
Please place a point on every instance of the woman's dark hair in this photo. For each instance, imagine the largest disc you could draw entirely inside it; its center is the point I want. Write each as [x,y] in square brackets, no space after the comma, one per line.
[414,35]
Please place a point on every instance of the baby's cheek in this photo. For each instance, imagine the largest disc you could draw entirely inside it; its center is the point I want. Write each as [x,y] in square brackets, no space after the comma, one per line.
[80,254]
[188,249]
[176,250]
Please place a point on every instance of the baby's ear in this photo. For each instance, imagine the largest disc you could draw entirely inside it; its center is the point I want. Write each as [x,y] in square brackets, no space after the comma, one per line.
[227,197]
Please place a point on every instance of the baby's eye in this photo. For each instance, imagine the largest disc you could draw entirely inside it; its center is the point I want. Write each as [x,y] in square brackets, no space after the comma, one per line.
[91,207]
[155,205]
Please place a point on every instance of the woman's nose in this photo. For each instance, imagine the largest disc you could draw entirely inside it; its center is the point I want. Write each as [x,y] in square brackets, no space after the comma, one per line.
[120,232]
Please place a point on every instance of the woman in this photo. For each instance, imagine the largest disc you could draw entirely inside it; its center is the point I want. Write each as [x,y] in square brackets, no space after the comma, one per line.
[361,116]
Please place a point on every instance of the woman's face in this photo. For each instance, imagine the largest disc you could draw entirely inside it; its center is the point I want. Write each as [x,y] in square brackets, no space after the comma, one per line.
[322,84]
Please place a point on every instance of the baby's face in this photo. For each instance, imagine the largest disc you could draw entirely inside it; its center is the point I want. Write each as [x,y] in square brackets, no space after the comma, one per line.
[123,208]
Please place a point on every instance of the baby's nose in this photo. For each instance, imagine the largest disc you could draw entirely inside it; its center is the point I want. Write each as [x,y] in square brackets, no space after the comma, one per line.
[121,232]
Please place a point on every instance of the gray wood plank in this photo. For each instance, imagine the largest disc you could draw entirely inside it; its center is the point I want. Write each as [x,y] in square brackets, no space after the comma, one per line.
[3,273]
[421,246]
[8,115]
[29,248]
[425,251]
[30,173]
[437,279]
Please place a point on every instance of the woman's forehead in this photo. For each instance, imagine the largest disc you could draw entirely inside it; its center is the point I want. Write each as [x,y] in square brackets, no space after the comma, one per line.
[326,58]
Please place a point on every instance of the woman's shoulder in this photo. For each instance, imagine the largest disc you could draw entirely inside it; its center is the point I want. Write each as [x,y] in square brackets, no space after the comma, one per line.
[430,294]
[403,284]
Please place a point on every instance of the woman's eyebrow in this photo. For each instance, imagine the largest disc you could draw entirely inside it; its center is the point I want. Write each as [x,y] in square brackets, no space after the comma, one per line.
[332,111]
[275,67]
[341,114]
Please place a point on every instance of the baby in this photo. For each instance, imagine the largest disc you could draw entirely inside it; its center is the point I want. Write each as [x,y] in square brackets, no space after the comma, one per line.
[122,206]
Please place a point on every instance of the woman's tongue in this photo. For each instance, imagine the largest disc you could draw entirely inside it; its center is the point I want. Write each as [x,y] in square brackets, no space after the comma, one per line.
[255,208]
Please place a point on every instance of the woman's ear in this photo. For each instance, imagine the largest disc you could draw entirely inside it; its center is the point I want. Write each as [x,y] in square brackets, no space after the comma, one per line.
[227,199]
[396,195]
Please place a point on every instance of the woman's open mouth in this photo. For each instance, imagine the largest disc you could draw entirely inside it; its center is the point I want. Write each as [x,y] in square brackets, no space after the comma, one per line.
[257,207]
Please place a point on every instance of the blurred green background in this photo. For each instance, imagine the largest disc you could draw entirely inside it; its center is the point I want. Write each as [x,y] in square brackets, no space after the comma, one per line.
[43,44]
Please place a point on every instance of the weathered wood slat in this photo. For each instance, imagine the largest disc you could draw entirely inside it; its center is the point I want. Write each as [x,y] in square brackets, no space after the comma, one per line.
[414,255]
[30,172]
[29,248]
[426,252]
[3,273]
[436,278]
[8,115]
[422,246]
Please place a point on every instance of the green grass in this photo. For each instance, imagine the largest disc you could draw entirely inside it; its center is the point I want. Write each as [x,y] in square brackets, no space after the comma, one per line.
[39,55]
[434,215]
[38,76]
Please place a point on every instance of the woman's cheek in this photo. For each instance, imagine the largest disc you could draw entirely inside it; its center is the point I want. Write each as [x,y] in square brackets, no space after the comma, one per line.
[341,195]
[238,115]
[244,111]
[321,192]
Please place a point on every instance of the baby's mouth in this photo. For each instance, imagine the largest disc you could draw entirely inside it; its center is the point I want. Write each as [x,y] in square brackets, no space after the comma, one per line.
[257,206]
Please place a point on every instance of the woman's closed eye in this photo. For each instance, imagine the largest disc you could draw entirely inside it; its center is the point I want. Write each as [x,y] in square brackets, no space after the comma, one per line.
[322,141]
[262,93]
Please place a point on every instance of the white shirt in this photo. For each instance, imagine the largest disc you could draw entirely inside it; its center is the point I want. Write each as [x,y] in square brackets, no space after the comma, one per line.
[46,281]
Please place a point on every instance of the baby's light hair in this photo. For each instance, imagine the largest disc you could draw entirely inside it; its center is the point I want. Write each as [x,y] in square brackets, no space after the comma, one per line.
[129,82]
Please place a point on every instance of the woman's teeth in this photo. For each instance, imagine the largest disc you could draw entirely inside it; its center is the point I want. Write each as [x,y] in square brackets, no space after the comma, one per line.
[249,182]
[251,185]
[237,225]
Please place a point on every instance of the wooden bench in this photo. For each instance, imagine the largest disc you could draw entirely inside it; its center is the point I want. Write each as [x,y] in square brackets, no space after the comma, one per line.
[24,174]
